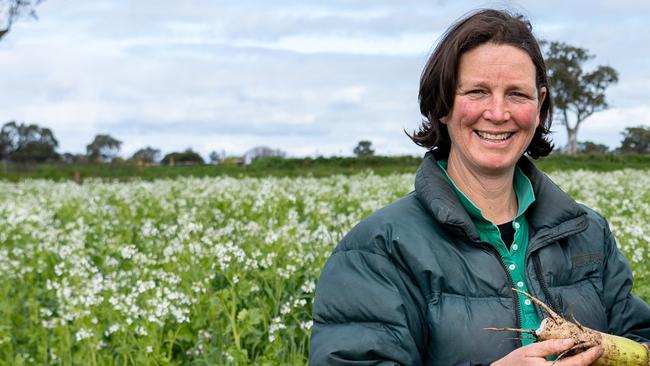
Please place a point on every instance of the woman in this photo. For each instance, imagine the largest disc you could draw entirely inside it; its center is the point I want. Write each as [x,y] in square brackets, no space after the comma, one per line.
[417,282]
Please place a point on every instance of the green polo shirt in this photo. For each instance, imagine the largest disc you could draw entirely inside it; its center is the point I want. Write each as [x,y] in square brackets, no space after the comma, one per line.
[514,258]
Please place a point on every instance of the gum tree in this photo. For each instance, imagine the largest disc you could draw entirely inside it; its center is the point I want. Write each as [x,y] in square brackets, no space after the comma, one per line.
[27,143]
[577,94]
[363,149]
[636,140]
[103,148]
[12,10]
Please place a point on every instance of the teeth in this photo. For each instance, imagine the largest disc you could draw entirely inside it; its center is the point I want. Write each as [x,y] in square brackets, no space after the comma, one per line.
[497,137]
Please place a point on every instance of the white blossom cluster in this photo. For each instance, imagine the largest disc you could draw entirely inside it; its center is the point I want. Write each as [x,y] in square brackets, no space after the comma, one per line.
[206,270]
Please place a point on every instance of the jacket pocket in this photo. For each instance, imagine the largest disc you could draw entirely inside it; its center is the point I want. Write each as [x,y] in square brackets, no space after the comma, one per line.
[463,318]
[583,302]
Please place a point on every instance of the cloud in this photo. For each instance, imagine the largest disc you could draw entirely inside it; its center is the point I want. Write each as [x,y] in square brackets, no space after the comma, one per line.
[308,78]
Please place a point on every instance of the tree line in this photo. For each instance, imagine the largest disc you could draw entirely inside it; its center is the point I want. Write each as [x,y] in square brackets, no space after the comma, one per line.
[31,143]
[577,94]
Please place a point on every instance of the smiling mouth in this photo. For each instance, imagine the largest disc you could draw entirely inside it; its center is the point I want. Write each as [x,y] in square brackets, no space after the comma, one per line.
[494,137]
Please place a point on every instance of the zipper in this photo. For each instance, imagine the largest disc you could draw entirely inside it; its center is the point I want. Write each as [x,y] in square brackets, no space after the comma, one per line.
[534,245]
[537,263]
[515,297]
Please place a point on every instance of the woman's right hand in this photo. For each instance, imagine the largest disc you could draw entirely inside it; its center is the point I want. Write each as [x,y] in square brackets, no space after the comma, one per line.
[536,353]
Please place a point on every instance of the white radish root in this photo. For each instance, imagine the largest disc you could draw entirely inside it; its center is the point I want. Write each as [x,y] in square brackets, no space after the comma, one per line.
[616,350]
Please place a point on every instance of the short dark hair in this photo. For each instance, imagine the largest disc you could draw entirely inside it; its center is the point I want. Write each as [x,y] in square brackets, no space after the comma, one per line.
[439,78]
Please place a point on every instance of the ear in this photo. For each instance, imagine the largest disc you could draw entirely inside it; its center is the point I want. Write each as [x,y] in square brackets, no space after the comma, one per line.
[444,119]
[540,98]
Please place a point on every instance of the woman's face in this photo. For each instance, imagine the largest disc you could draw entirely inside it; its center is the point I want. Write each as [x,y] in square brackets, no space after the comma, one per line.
[496,109]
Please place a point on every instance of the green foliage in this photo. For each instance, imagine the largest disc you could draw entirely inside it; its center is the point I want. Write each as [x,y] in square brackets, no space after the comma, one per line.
[71,158]
[589,147]
[34,152]
[187,157]
[103,148]
[334,165]
[316,167]
[636,140]
[217,157]
[207,271]
[22,143]
[576,94]
[364,149]
[593,162]
[147,155]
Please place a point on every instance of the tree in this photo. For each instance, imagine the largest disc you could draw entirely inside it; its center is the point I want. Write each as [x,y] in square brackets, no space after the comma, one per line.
[261,152]
[147,155]
[187,157]
[103,148]
[11,10]
[70,158]
[217,157]
[363,149]
[590,147]
[24,143]
[636,140]
[576,93]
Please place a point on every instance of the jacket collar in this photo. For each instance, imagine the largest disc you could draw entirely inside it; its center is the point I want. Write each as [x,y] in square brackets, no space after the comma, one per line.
[552,213]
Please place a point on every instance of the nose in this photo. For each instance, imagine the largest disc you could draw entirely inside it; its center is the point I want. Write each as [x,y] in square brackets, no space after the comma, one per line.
[497,110]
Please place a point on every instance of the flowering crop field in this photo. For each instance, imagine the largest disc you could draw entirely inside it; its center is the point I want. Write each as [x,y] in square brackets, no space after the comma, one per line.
[207,271]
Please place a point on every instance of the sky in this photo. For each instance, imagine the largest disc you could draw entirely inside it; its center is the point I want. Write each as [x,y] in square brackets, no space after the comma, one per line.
[310,78]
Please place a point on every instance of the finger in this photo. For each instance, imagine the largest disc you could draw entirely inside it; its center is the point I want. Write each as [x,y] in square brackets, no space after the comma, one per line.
[548,348]
[584,358]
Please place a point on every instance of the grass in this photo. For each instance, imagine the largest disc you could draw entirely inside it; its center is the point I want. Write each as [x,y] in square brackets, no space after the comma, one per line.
[318,167]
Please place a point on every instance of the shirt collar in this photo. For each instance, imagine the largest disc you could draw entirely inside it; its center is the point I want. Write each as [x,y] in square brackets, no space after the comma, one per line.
[521,184]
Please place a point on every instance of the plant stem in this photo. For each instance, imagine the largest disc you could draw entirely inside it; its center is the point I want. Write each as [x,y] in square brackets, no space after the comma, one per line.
[233,318]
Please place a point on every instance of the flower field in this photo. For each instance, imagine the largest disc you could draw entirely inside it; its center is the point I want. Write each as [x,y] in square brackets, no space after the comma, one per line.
[207,271]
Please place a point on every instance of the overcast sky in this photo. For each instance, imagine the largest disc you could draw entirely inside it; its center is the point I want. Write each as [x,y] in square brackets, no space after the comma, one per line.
[308,77]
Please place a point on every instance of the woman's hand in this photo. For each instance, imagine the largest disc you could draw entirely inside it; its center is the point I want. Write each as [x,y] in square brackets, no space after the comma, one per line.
[536,353]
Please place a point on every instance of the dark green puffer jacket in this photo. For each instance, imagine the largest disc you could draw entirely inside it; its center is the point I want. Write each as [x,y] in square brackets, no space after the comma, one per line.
[412,284]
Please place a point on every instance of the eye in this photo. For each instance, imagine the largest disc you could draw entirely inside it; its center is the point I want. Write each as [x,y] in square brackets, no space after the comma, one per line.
[519,94]
[476,92]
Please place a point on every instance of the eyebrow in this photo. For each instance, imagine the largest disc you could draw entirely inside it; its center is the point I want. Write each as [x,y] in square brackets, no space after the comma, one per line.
[484,84]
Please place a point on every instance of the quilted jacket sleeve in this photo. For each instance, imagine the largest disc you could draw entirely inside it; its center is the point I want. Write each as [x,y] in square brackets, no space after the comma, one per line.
[366,312]
[629,316]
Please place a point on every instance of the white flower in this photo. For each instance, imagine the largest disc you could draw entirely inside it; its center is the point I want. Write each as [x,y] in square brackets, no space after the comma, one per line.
[82,334]
[128,251]
[193,232]
[307,325]
[139,330]
[228,356]
[308,287]
[112,329]
[111,262]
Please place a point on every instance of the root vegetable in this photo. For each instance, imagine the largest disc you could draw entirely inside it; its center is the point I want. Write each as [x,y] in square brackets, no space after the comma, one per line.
[616,350]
